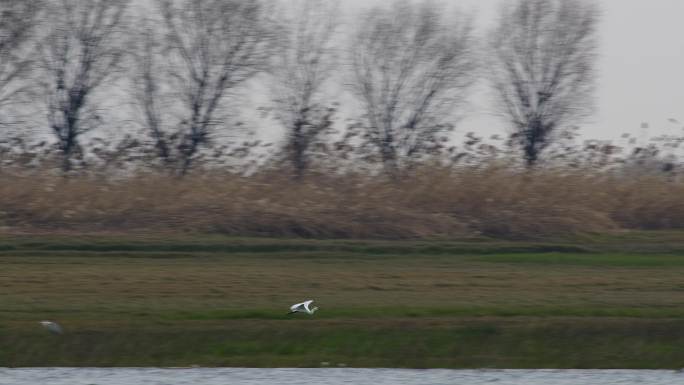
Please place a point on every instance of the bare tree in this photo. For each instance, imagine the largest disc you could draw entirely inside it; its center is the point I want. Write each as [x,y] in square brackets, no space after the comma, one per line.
[83,48]
[18,19]
[210,47]
[147,92]
[303,66]
[544,54]
[411,70]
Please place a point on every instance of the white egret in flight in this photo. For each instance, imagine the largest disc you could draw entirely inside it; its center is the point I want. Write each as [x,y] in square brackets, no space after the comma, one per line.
[52,327]
[303,307]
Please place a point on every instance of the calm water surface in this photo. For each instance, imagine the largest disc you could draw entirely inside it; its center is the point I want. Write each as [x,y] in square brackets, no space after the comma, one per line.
[206,376]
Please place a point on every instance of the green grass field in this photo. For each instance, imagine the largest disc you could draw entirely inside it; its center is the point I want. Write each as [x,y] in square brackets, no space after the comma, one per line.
[610,301]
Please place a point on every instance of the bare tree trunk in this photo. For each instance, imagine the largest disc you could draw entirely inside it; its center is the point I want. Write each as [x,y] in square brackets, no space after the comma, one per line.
[534,136]
[299,146]
[389,156]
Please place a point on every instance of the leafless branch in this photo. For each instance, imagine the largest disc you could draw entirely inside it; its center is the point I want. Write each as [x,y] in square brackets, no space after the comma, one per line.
[18,19]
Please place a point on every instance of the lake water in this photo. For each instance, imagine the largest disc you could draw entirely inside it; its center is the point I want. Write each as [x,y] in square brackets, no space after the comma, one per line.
[336,376]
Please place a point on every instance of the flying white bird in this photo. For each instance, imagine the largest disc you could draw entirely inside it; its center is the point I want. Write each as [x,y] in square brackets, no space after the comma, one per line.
[303,308]
[52,327]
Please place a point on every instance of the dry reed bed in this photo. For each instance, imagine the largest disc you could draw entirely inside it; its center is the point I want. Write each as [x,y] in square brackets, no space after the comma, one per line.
[434,202]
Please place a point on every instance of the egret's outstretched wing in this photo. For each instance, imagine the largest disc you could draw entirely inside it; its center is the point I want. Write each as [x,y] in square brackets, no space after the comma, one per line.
[52,327]
[303,306]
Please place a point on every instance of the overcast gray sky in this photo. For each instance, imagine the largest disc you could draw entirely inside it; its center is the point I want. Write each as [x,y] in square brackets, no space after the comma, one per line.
[641,67]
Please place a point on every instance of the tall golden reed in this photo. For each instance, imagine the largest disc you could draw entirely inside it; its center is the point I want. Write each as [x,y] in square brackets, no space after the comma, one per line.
[431,202]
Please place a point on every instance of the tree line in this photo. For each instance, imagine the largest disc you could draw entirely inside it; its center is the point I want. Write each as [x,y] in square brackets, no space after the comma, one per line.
[181,67]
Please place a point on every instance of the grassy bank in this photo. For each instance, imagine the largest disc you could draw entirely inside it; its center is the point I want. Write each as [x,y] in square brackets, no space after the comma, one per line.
[602,301]
[393,342]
